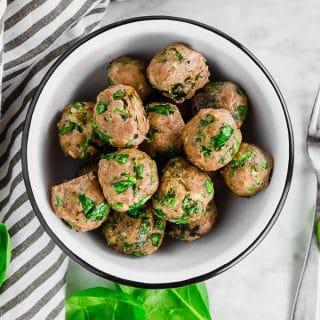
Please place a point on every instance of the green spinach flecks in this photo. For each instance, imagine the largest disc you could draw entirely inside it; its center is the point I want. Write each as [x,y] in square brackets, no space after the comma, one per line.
[101,107]
[164,109]
[119,94]
[218,141]
[123,185]
[209,186]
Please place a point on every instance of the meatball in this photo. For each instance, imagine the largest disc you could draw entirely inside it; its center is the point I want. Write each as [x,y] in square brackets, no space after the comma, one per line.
[80,203]
[119,117]
[249,171]
[137,235]
[211,138]
[166,126]
[128,177]
[184,192]
[224,95]
[178,72]
[75,130]
[196,229]
[131,72]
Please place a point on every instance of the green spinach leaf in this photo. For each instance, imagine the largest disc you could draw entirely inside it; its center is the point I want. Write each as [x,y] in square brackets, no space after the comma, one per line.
[103,303]
[185,303]
[5,252]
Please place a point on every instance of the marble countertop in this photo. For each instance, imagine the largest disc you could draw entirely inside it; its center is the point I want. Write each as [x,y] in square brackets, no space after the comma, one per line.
[283,35]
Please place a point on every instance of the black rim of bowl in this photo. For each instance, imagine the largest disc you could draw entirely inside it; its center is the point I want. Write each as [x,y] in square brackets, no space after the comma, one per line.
[192,280]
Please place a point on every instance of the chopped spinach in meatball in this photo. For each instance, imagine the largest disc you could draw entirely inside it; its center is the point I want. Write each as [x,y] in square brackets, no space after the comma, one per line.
[225,95]
[128,177]
[119,117]
[75,131]
[178,72]
[130,72]
[184,192]
[80,203]
[139,235]
[249,171]
[211,138]
[196,229]
[166,124]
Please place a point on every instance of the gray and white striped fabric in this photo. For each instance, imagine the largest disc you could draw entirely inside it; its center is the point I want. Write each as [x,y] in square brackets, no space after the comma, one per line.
[33,34]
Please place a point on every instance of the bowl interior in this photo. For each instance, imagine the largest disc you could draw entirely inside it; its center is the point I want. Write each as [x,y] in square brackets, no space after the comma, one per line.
[82,75]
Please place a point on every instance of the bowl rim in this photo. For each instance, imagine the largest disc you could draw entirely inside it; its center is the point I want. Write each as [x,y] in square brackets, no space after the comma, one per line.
[191,280]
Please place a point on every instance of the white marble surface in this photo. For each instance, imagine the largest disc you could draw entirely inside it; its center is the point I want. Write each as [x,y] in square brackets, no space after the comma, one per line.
[285,36]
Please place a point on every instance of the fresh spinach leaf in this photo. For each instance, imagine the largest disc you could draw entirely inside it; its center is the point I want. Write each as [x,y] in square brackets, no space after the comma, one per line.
[5,252]
[185,303]
[103,303]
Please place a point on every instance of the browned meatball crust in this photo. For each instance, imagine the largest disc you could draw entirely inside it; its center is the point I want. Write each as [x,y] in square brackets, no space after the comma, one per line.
[128,177]
[249,171]
[139,235]
[211,138]
[130,72]
[119,117]
[184,192]
[196,229]
[178,72]
[75,130]
[224,95]
[80,203]
[166,126]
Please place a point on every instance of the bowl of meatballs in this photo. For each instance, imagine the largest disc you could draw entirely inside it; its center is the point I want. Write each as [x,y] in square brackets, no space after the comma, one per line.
[157,152]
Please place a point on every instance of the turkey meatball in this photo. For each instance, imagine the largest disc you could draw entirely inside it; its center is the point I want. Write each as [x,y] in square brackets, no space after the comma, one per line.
[119,117]
[166,126]
[136,235]
[224,95]
[128,178]
[131,72]
[178,72]
[184,192]
[196,229]
[249,171]
[75,131]
[80,203]
[211,138]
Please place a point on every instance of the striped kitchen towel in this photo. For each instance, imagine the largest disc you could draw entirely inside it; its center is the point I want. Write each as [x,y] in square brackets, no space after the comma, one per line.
[34,33]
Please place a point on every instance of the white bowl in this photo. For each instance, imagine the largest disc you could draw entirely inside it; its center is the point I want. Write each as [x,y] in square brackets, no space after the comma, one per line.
[80,74]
